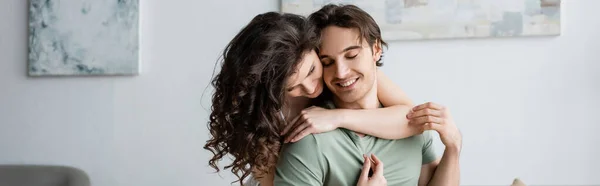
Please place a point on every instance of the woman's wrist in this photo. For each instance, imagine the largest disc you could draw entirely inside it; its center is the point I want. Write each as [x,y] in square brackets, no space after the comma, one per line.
[341,117]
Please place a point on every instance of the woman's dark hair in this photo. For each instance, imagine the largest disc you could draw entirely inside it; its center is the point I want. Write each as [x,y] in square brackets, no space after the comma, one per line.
[250,92]
[346,16]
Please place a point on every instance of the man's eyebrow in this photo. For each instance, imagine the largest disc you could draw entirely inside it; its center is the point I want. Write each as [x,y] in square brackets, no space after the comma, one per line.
[345,49]
[351,47]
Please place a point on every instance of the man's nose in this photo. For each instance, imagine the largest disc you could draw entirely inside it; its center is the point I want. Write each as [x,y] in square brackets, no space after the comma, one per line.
[342,70]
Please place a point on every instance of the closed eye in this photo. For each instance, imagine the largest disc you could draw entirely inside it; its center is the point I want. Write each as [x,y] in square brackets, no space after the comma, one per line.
[326,62]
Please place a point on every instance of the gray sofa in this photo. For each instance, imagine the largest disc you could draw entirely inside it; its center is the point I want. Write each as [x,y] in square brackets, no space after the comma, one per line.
[42,175]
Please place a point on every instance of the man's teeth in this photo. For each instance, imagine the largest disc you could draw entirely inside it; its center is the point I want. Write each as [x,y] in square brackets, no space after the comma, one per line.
[347,83]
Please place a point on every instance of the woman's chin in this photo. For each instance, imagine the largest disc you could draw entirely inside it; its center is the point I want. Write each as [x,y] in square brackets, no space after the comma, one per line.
[315,94]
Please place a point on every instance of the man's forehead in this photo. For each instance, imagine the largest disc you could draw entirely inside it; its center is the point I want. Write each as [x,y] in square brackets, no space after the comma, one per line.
[337,38]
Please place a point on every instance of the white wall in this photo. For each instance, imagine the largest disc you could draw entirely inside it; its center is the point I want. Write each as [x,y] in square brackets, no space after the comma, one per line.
[528,107]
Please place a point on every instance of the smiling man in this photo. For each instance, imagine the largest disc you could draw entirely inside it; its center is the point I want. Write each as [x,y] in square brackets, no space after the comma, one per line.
[350,51]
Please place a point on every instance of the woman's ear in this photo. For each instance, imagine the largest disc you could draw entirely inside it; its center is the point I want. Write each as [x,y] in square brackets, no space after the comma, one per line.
[377,50]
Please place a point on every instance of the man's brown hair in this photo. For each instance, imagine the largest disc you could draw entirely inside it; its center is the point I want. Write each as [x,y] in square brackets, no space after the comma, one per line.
[347,16]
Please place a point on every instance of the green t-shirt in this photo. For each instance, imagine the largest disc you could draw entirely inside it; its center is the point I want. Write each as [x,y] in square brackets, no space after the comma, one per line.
[336,158]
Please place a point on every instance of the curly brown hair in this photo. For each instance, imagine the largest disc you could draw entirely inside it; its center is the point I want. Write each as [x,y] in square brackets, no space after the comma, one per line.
[250,92]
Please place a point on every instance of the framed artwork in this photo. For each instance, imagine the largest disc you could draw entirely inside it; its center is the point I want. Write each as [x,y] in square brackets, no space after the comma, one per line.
[448,19]
[83,37]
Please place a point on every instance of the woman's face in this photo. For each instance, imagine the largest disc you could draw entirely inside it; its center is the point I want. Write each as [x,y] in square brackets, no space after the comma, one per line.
[306,81]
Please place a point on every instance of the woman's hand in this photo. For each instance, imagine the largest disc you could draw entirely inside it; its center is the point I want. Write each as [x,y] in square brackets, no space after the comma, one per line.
[432,116]
[377,178]
[312,120]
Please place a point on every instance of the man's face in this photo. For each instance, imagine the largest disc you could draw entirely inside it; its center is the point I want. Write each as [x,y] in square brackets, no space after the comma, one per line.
[349,69]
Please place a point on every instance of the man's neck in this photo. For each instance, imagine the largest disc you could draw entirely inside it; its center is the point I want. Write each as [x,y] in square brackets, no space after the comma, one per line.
[369,101]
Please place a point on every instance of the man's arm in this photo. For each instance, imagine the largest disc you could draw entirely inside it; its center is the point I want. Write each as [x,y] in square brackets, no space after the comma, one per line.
[300,163]
[447,170]
[442,172]
[430,159]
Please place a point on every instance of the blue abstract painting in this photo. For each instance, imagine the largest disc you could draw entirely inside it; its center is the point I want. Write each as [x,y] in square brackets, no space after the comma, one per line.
[449,19]
[83,37]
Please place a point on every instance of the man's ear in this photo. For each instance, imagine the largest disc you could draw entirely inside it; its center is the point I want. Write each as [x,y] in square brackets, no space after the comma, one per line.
[377,50]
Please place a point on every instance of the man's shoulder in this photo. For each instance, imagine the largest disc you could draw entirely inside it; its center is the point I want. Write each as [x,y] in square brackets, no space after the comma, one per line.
[418,141]
[321,140]
[337,133]
[418,138]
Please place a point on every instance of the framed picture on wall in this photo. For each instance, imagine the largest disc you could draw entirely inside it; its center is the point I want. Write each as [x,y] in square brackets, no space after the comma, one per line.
[83,37]
[448,19]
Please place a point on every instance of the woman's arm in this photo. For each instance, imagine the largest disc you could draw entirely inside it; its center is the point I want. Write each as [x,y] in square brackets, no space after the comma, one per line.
[391,121]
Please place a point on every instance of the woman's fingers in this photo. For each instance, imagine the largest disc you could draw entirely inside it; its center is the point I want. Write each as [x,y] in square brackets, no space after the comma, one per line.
[364,175]
[425,112]
[426,119]
[305,132]
[378,166]
[297,130]
[292,124]
[430,105]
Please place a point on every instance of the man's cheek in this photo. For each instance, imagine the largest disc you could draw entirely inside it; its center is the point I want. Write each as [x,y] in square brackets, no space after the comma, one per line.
[329,84]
